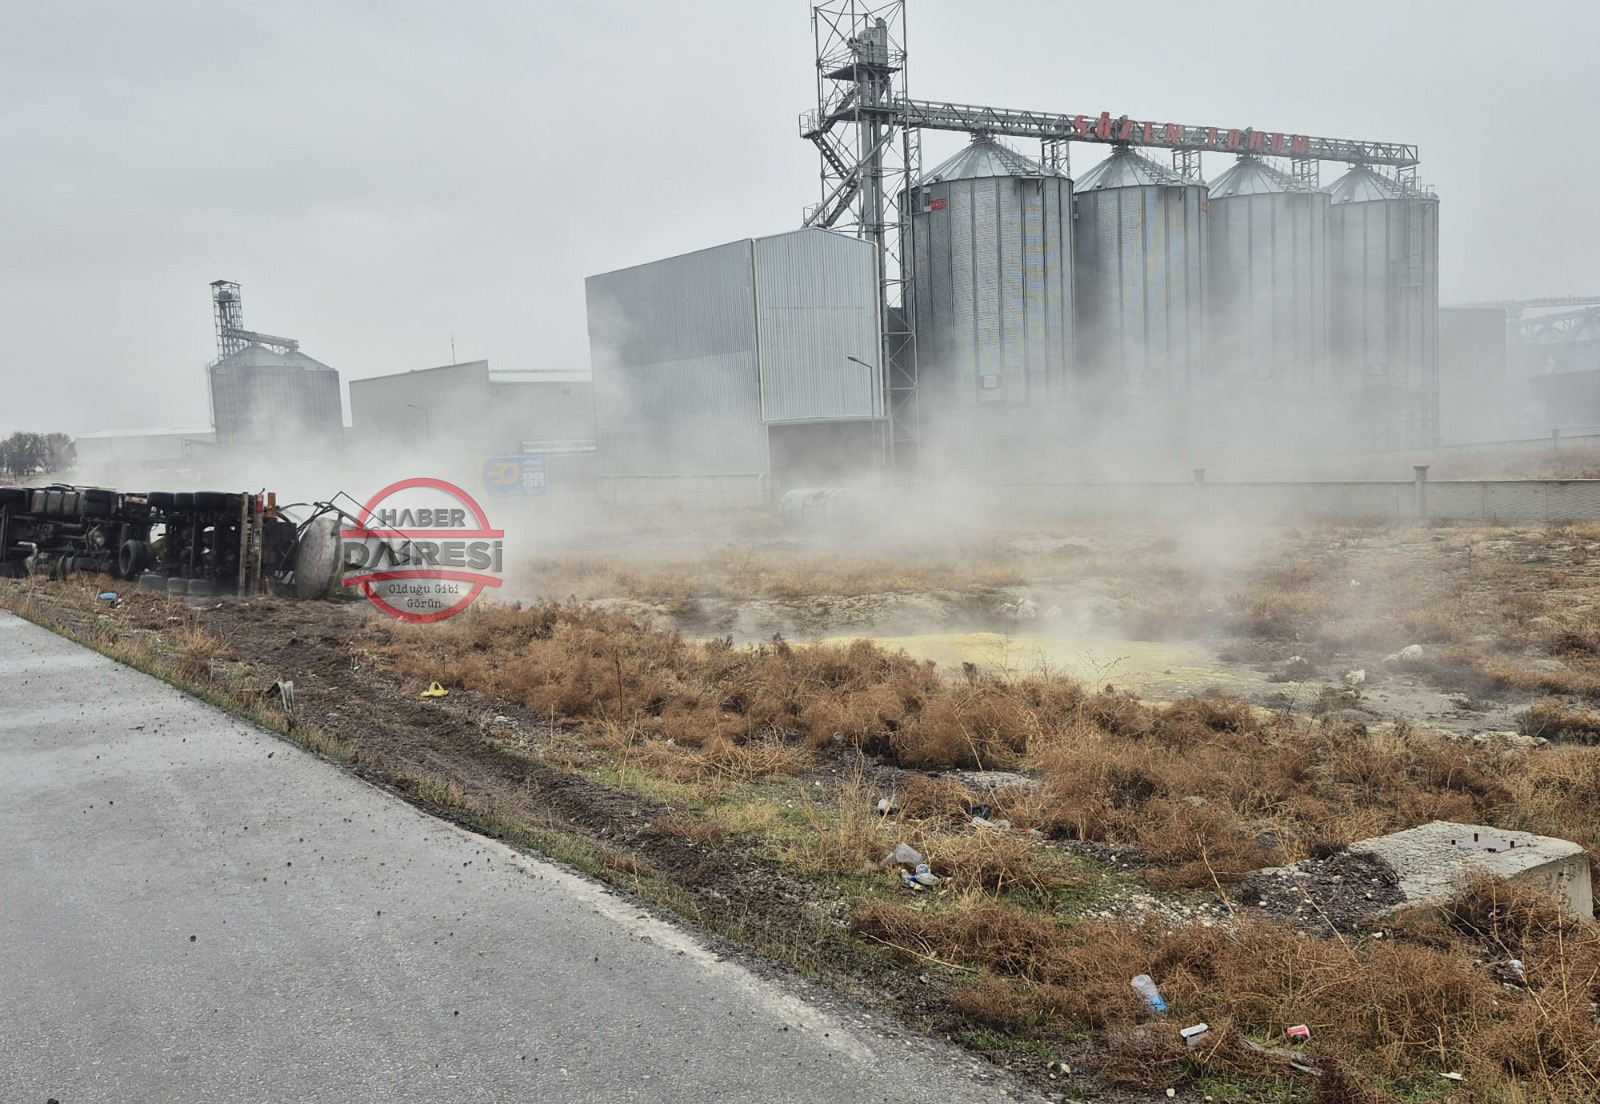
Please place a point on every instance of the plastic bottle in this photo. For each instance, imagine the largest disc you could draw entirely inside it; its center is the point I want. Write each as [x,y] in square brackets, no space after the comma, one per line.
[1146,988]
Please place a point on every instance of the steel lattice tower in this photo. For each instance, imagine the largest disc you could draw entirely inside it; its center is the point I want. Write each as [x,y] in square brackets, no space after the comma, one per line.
[228,310]
[869,163]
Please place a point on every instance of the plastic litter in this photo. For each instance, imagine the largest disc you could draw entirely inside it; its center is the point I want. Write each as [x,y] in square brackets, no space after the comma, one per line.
[110,598]
[1194,1036]
[1517,967]
[1146,988]
[887,807]
[978,812]
[434,690]
[906,855]
[925,876]
[1299,1033]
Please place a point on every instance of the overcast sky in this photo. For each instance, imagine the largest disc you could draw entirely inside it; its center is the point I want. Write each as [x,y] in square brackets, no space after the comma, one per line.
[382,176]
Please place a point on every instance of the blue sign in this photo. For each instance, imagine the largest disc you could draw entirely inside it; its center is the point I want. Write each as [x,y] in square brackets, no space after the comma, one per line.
[514,475]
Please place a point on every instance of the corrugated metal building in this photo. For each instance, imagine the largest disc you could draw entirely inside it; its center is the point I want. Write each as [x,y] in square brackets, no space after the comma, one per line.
[722,372]
[131,457]
[456,416]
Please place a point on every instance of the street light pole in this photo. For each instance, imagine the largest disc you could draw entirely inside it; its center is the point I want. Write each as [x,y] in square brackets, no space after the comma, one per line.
[883,423]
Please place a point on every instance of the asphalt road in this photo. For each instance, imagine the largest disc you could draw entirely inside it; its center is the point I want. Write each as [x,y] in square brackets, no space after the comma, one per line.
[194,910]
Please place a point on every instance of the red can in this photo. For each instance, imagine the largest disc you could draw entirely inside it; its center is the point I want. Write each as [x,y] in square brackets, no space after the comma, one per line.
[1299,1033]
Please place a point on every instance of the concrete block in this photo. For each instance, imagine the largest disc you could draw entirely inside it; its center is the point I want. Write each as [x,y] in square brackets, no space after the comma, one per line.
[1435,860]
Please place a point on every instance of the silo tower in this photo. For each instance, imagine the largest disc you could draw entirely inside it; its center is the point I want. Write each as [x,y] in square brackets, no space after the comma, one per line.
[1139,251]
[1383,283]
[1267,282]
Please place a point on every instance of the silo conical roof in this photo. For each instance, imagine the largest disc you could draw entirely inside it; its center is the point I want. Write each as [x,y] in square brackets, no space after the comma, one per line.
[1362,185]
[251,356]
[985,157]
[1126,169]
[1252,176]
[296,357]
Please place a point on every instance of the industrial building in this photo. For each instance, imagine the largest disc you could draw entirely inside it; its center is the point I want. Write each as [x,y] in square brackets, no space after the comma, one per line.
[1555,360]
[138,457]
[1013,322]
[457,416]
[1475,385]
[265,393]
[719,372]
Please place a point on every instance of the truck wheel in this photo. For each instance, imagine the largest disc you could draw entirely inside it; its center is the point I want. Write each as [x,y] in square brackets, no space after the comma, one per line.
[131,559]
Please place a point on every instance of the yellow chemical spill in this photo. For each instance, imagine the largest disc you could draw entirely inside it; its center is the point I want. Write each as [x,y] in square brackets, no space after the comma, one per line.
[1154,670]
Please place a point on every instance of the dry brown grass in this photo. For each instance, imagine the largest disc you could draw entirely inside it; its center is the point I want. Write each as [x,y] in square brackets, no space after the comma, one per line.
[1210,789]
[1555,721]
[583,664]
[196,654]
[774,569]
[1393,1009]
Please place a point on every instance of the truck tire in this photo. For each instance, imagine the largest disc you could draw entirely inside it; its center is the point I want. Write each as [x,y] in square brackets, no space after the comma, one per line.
[131,559]
[161,500]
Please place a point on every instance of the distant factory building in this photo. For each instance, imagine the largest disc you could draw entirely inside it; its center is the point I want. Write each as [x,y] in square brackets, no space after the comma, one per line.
[129,457]
[463,414]
[725,374]
[1475,403]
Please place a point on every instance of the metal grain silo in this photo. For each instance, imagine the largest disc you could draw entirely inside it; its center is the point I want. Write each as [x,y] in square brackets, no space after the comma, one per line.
[262,398]
[1383,307]
[1267,283]
[1139,250]
[991,251]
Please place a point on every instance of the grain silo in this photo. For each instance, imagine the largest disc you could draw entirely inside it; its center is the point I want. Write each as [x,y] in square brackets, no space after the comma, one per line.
[991,248]
[1383,307]
[1139,251]
[260,397]
[1267,283]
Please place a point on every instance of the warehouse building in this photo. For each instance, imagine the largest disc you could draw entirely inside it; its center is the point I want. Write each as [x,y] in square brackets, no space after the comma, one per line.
[457,416]
[722,375]
[143,457]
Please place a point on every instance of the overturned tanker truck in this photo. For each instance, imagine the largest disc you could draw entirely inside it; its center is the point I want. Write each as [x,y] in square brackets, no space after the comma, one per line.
[178,542]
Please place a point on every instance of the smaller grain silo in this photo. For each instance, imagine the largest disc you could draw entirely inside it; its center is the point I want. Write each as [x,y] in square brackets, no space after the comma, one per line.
[1383,307]
[1139,249]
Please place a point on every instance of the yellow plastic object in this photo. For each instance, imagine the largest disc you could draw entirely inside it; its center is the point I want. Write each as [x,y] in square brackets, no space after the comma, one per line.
[434,690]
